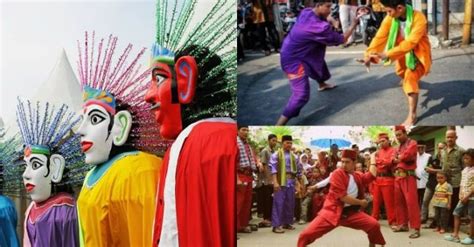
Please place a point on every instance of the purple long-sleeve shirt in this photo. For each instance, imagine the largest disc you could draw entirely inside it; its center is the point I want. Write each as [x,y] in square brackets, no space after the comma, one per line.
[307,41]
[274,163]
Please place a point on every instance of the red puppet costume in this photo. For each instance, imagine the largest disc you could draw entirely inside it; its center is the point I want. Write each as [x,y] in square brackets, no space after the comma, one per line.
[383,185]
[192,95]
[344,183]
[405,190]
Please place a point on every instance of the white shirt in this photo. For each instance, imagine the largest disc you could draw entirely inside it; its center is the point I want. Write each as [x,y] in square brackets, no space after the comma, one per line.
[421,163]
[352,189]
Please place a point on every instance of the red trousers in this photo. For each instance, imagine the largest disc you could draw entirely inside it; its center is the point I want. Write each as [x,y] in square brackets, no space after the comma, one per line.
[382,191]
[406,201]
[317,204]
[358,220]
[244,201]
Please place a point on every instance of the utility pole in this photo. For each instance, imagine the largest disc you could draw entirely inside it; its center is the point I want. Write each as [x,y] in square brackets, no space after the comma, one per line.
[424,10]
[445,19]
[466,36]
[434,14]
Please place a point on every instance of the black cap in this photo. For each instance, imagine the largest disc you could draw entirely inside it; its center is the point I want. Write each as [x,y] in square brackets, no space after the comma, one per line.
[286,138]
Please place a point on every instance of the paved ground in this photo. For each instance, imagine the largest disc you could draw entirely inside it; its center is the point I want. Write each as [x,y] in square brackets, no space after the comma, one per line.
[361,98]
[342,237]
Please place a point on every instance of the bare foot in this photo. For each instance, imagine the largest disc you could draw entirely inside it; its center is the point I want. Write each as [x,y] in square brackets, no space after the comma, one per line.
[325,86]
[282,120]
[410,121]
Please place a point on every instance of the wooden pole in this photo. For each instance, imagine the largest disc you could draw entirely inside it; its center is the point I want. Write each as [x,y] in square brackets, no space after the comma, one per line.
[445,19]
[466,35]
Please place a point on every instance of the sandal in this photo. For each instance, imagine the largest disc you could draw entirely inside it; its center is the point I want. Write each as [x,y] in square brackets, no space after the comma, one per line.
[400,229]
[452,238]
[289,227]
[278,230]
[245,230]
[264,224]
[253,227]
[467,240]
[415,235]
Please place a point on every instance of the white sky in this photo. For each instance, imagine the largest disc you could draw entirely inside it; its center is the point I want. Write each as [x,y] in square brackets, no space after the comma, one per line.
[33,33]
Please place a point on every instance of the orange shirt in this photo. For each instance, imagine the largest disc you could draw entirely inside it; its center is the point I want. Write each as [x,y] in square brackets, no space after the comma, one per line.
[417,41]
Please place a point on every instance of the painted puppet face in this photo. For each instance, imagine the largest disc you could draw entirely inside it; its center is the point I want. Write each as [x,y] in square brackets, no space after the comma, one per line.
[37,177]
[99,131]
[96,141]
[159,95]
[41,171]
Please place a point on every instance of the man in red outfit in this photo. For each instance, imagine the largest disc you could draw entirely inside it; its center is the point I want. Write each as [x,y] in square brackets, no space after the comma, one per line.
[383,184]
[406,193]
[343,204]
[247,164]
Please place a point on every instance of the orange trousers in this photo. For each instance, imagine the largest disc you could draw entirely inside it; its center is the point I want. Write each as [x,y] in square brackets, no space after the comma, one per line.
[411,78]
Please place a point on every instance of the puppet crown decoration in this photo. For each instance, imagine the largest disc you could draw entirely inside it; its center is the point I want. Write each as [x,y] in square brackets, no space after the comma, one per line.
[119,83]
[211,41]
[161,54]
[10,170]
[46,130]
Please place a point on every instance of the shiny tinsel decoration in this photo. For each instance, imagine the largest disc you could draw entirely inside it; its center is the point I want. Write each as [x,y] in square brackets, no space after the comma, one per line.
[52,127]
[127,82]
[10,166]
[214,34]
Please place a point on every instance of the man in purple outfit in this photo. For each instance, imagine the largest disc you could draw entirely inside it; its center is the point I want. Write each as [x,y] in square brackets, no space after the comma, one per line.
[284,169]
[302,55]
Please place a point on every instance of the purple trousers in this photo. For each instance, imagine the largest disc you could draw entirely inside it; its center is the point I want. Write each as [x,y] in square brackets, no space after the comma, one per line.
[300,88]
[284,204]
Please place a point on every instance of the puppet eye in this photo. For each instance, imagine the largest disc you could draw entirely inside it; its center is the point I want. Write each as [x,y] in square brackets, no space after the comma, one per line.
[159,79]
[96,119]
[36,164]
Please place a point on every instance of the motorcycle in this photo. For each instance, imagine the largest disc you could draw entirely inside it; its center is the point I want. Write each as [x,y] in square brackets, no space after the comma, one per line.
[368,24]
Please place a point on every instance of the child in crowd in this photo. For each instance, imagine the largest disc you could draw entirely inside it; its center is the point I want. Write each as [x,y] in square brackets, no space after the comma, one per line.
[442,202]
[466,199]
[314,177]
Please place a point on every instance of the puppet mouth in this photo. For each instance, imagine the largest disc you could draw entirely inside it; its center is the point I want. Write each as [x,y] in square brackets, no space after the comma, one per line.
[85,146]
[155,106]
[29,187]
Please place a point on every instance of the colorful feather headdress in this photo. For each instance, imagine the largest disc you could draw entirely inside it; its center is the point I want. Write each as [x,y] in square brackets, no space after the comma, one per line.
[47,130]
[10,168]
[118,83]
[178,33]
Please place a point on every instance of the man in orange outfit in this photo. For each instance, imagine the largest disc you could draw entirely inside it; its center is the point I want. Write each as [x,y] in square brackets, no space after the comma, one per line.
[383,184]
[343,204]
[406,192]
[403,38]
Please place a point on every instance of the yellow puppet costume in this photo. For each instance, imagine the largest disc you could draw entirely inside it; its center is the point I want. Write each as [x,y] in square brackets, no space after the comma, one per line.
[118,207]
[417,41]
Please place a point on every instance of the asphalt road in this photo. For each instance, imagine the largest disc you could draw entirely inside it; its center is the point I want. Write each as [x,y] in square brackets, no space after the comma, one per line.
[361,98]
